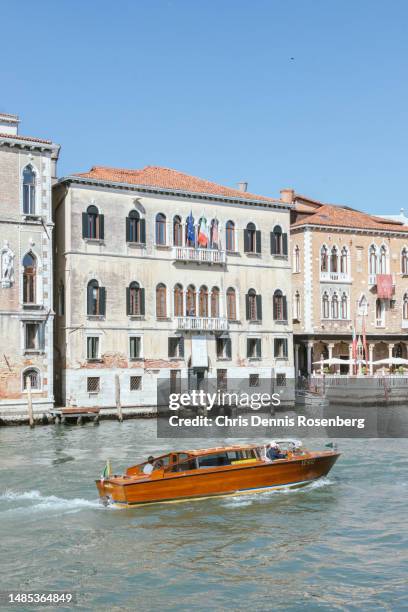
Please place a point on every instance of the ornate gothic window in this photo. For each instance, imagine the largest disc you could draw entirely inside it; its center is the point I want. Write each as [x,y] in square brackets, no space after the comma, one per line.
[29,278]
[325,306]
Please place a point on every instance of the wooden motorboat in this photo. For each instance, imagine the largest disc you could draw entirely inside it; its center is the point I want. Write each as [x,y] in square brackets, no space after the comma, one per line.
[228,470]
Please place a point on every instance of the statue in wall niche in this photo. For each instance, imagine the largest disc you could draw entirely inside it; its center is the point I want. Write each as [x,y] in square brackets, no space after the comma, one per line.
[7,266]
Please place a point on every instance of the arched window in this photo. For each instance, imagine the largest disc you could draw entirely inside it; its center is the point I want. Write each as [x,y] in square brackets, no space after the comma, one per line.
[383,260]
[203,302]
[250,238]
[404,261]
[161,301]
[95,299]
[177,231]
[362,306]
[324,259]
[92,224]
[325,306]
[214,234]
[373,259]
[335,306]
[135,228]
[231,304]
[135,300]
[277,246]
[379,312]
[191,301]
[34,376]
[252,306]
[296,306]
[178,300]
[230,236]
[296,259]
[343,260]
[344,306]
[29,278]
[29,190]
[279,306]
[405,307]
[160,229]
[334,260]
[215,302]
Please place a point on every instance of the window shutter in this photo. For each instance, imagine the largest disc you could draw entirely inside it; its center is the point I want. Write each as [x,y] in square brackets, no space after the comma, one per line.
[273,244]
[89,300]
[275,347]
[285,308]
[142,231]
[128,301]
[259,307]
[127,229]
[181,346]
[85,225]
[259,347]
[101,227]
[248,341]
[41,336]
[102,298]
[246,241]
[275,314]
[247,309]
[258,241]
[285,244]
[285,347]
[170,347]
[228,348]
[142,301]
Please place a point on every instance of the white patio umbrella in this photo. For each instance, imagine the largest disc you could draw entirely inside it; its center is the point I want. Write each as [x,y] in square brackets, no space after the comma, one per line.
[391,361]
[335,361]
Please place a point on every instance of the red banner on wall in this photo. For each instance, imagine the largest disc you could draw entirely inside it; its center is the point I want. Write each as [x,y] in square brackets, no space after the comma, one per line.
[384,286]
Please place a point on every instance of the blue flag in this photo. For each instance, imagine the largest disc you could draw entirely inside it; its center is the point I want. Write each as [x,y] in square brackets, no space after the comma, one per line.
[190,229]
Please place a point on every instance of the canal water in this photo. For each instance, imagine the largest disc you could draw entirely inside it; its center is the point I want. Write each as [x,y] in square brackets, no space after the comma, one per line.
[338,544]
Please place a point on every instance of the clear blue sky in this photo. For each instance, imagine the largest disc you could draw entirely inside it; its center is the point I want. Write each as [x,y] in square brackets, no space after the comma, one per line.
[210,88]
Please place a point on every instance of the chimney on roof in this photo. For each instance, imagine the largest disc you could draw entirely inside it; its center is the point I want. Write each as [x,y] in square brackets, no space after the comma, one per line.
[9,124]
[287,195]
[242,186]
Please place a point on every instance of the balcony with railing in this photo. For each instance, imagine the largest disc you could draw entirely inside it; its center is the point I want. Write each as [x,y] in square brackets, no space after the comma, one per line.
[197,255]
[202,323]
[339,277]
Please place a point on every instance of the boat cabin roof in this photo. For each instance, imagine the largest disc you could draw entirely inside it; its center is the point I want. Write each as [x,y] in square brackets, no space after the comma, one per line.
[218,449]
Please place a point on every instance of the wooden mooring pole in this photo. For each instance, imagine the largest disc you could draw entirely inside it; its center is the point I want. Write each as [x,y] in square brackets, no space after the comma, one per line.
[29,402]
[117,398]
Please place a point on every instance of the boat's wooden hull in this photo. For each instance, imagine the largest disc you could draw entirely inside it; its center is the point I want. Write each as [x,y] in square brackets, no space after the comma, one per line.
[217,481]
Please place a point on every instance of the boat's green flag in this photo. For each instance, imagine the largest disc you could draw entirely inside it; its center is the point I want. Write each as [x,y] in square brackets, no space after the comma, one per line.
[106,470]
[329,445]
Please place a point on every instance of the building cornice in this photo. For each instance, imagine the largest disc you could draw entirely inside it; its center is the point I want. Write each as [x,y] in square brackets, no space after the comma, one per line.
[26,143]
[173,192]
[347,230]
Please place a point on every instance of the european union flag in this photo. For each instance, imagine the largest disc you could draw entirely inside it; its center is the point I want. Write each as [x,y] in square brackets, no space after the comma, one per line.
[190,229]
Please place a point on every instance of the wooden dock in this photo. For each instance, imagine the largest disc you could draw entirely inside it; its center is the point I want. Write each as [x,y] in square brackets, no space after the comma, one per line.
[63,415]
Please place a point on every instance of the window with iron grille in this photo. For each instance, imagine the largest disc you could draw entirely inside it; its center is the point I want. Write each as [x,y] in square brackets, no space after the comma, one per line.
[281,380]
[254,380]
[92,347]
[135,383]
[135,347]
[222,380]
[93,384]
[34,377]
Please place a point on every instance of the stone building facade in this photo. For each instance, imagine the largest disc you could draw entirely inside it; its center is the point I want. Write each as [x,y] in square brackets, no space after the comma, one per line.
[350,271]
[27,170]
[160,275]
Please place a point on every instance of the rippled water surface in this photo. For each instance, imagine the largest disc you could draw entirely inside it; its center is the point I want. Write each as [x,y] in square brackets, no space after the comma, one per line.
[340,543]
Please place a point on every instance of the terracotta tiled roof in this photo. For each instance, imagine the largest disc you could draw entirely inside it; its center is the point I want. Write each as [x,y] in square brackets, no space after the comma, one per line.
[166,178]
[335,216]
[29,138]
